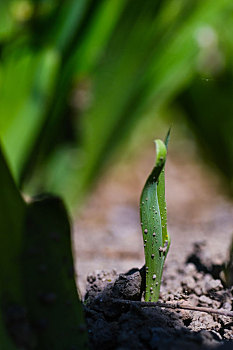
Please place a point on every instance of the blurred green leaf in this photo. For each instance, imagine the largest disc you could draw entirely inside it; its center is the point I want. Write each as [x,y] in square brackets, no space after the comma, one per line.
[128,58]
[208,106]
[27,83]
[6,21]
[12,215]
[147,70]
[49,284]
[68,20]
[92,46]
[37,270]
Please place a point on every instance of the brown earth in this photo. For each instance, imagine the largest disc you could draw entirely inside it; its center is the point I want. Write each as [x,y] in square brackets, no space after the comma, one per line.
[112,324]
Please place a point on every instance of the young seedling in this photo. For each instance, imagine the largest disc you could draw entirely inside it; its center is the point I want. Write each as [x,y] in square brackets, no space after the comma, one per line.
[153,213]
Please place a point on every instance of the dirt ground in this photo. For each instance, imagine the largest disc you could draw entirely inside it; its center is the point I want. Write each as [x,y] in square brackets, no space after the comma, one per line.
[115,320]
[108,242]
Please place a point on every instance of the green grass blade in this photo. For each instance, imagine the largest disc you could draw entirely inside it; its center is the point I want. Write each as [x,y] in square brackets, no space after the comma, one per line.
[152,226]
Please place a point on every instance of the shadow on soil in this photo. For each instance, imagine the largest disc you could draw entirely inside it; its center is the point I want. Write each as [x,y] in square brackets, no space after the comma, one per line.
[115,326]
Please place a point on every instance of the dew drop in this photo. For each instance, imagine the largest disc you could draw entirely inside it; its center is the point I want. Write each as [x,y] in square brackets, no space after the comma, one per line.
[152,256]
[154,277]
[145,231]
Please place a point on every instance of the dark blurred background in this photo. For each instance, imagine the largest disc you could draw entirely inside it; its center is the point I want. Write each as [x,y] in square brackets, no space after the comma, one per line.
[84,81]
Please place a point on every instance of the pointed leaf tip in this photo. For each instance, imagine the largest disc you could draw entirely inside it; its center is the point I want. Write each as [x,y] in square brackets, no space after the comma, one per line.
[167,138]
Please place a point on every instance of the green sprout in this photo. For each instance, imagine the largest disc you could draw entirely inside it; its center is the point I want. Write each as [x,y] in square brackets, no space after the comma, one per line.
[153,213]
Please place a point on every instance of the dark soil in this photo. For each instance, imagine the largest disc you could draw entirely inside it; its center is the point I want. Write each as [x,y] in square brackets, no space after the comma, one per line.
[117,326]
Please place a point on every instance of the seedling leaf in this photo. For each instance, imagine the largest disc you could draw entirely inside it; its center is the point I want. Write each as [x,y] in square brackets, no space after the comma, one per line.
[154,223]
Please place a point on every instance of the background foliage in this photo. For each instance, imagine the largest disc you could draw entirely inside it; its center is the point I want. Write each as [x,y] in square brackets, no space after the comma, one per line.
[77,76]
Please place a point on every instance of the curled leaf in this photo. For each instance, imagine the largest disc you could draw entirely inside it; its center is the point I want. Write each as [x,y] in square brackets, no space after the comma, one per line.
[154,223]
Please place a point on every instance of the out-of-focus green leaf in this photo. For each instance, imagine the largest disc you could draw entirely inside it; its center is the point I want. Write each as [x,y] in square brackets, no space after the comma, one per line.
[12,215]
[70,14]
[84,56]
[148,69]
[26,106]
[49,284]
[87,56]
[207,103]
[27,83]
[37,267]
[6,20]
[132,57]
